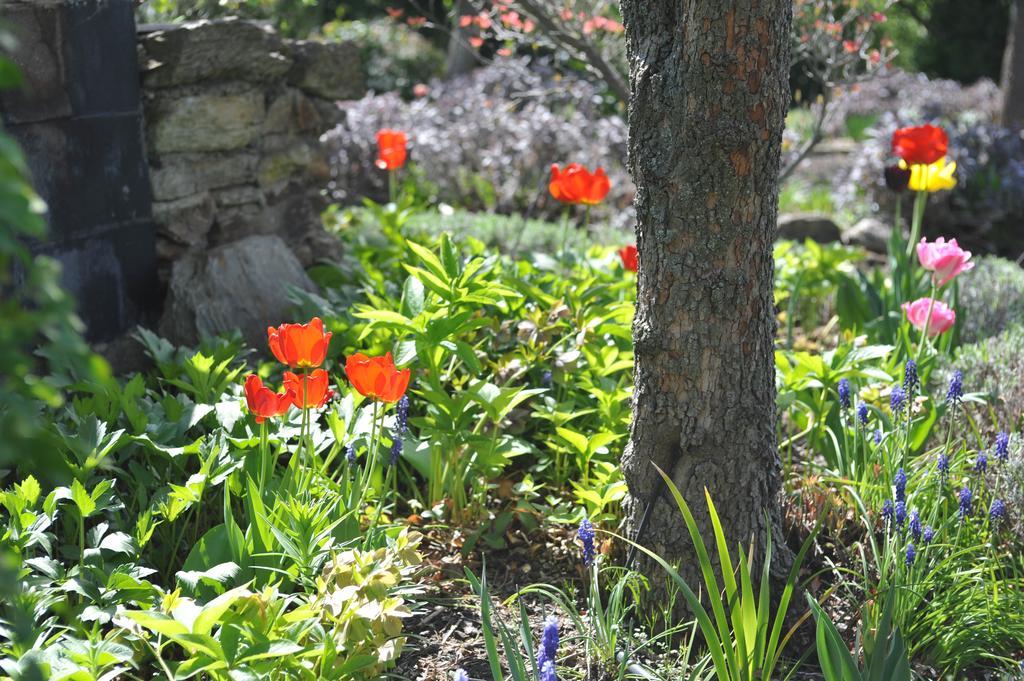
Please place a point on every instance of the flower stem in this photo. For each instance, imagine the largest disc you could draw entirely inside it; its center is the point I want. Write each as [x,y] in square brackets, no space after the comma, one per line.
[915,226]
[264,457]
[927,323]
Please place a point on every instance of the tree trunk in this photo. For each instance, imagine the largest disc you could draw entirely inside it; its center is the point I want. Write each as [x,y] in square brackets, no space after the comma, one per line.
[708,96]
[1013,70]
[462,58]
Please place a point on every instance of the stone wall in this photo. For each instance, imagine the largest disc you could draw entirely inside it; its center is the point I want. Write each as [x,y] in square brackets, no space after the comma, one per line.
[233,118]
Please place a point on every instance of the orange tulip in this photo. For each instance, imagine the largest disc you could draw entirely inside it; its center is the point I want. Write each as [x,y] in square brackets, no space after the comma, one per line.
[576,184]
[391,149]
[377,377]
[630,259]
[302,346]
[308,391]
[263,402]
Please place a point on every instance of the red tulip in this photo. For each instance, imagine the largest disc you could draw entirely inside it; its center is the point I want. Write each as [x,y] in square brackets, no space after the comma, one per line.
[308,391]
[377,377]
[391,149]
[302,346]
[576,184]
[629,258]
[263,402]
[922,144]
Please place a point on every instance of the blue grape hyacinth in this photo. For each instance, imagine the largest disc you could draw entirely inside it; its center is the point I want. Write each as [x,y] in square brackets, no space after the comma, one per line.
[997,513]
[897,399]
[965,497]
[547,671]
[461,675]
[915,525]
[981,463]
[911,555]
[844,393]
[878,436]
[900,481]
[887,511]
[911,382]
[942,465]
[350,452]
[549,638]
[862,414]
[928,535]
[955,394]
[1003,446]
[900,514]
[586,535]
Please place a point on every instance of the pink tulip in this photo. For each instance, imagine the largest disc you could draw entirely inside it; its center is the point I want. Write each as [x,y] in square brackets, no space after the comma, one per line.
[943,316]
[944,259]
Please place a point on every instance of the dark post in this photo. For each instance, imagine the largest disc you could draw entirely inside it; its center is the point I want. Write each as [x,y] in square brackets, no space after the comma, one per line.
[79,119]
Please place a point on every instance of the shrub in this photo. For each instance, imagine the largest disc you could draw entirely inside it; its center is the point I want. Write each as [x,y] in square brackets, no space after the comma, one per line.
[996,366]
[486,140]
[991,298]
[914,97]
[395,57]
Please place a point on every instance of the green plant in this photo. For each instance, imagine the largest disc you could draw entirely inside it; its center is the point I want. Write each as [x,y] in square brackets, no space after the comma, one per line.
[744,641]
[887,661]
[519,656]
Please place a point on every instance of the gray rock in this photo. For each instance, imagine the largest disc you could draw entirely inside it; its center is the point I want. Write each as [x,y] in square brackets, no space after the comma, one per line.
[243,285]
[801,226]
[327,70]
[870,233]
[185,221]
[205,122]
[201,51]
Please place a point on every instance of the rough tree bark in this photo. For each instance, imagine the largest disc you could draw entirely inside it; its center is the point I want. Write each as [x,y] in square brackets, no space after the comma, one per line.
[708,96]
[1013,70]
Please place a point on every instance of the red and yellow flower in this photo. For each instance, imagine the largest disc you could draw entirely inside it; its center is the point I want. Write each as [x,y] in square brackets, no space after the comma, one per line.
[576,184]
[308,391]
[377,377]
[920,144]
[630,257]
[263,402]
[392,149]
[300,346]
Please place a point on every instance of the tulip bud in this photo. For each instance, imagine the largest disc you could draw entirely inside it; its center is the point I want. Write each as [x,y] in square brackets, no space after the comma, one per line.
[897,178]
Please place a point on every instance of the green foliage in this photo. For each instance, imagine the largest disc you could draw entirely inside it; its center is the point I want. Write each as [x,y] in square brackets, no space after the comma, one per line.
[297,18]
[744,641]
[359,596]
[518,655]
[395,57]
[888,661]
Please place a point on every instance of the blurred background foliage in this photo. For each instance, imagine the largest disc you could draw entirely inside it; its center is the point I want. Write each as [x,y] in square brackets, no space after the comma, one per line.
[963,41]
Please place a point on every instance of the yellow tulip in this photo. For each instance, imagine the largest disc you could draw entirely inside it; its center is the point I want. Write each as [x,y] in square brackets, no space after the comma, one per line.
[932,177]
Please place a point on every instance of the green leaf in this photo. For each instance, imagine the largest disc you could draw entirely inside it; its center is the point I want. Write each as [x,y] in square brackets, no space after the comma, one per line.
[577,440]
[413,296]
[82,499]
